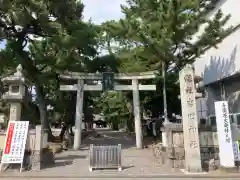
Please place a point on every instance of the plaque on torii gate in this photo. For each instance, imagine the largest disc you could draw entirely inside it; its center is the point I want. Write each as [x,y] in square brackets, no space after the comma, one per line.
[135,87]
[108,81]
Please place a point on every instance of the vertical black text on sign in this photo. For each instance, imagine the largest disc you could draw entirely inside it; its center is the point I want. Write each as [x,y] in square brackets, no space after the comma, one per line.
[191,118]
[190,102]
[192,130]
[188,83]
[226,123]
[193,144]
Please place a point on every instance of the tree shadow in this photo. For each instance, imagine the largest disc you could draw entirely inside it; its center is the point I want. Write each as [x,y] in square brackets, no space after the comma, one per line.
[58,164]
[219,69]
[63,161]
[70,157]
[127,167]
[127,140]
[111,138]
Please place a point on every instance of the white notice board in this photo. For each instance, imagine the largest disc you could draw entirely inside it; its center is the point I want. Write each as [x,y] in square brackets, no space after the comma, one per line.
[224,133]
[15,142]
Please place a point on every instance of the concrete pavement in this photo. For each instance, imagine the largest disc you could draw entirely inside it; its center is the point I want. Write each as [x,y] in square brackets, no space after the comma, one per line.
[119,178]
[137,164]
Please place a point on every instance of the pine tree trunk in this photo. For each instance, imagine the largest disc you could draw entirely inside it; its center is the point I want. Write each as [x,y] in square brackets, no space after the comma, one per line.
[43,112]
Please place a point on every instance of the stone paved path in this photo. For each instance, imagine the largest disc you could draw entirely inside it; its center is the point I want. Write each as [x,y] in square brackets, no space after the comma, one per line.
[137,164]
[76,163]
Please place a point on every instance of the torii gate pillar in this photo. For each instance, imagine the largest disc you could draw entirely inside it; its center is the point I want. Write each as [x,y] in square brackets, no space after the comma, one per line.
[137,115]
[79,115]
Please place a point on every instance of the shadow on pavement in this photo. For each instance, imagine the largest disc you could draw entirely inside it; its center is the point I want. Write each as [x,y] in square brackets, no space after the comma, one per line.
[71,157]
[127,167]
[59,164]
[107,137]
[64,161]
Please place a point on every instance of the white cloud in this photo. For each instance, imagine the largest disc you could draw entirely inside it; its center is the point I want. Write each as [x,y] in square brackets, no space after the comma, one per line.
[102,10]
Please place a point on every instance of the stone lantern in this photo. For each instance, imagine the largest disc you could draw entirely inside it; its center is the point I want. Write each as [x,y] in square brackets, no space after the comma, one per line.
[16,93]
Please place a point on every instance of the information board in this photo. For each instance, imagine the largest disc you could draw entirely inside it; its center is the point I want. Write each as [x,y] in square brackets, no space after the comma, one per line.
[224,132]
[15,142]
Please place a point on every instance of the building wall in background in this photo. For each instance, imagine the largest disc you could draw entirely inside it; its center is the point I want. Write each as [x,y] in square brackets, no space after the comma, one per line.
[220,68]
[222,62]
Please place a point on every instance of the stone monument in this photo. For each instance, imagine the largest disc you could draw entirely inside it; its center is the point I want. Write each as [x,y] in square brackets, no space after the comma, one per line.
[189,120]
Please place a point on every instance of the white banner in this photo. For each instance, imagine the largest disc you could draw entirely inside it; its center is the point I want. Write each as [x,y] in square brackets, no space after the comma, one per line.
[226,155]
[15,142]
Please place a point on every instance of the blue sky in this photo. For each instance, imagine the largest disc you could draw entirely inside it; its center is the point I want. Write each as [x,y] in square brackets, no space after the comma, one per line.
[100,11]
[1,45]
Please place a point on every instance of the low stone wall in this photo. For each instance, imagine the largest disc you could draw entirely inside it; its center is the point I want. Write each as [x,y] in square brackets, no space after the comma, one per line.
[30,144]
[174,154]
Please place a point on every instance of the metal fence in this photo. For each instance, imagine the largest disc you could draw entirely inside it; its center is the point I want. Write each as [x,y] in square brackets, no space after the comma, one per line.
[105,157]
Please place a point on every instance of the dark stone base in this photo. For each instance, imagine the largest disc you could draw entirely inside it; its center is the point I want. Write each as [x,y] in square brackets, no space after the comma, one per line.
[47,157]
[229,170]
[35,161]
[39,160]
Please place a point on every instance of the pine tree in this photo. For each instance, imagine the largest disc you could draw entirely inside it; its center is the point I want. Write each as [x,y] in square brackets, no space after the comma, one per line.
[167,33]
[45,36]
[167,29]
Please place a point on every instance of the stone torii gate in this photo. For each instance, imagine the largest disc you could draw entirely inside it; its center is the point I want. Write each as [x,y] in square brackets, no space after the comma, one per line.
[80,87]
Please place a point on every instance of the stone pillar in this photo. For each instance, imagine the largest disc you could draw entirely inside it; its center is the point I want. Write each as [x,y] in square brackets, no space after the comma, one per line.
[165,139]
[79,115]
[36,158]
[94,126]
[189,120]
[15,111]
[137,115]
